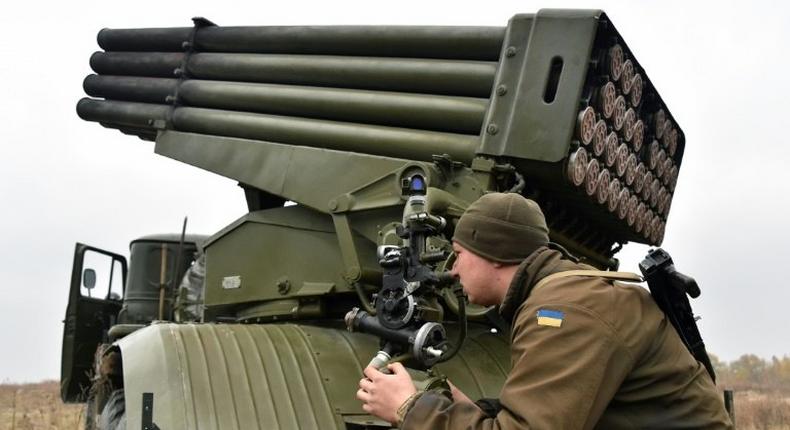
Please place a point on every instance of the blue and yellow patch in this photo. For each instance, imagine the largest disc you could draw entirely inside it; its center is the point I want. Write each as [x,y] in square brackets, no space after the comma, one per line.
[550,318]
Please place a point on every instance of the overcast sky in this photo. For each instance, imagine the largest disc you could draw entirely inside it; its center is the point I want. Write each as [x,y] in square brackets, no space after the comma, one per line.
[722,70]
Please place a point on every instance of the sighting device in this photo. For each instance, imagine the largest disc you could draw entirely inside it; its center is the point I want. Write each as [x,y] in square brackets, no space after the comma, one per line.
[408,317]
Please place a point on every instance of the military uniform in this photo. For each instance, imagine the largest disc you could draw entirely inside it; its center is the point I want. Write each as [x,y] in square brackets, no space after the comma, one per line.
[587,352]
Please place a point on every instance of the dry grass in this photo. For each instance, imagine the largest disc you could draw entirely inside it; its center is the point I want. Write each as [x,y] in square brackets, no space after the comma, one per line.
[756,410]
[36,406]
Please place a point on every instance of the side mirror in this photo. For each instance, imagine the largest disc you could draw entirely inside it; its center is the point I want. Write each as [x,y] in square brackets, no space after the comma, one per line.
[89,278]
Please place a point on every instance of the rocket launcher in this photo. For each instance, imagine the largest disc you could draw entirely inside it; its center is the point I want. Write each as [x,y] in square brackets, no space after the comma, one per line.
[553,105]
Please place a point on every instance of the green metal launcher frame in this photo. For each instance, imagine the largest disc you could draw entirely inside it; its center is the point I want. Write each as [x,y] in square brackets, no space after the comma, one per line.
[554,106]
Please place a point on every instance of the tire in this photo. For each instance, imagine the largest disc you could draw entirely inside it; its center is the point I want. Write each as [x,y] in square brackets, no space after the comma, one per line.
[113,416]
[90,416]
[93,408]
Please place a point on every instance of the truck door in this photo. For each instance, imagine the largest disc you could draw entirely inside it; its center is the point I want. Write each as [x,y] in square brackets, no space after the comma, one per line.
[98,281]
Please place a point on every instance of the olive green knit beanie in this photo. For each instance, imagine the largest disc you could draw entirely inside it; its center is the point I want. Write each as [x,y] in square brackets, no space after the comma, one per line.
[505,228]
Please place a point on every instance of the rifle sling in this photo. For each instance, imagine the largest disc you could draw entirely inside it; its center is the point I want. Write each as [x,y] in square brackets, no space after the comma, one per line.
[617,276]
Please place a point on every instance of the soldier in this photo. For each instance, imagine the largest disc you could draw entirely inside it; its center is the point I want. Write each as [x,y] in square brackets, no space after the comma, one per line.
[586,351]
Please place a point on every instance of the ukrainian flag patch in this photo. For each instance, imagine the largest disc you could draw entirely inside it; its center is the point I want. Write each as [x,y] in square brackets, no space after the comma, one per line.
[550,318]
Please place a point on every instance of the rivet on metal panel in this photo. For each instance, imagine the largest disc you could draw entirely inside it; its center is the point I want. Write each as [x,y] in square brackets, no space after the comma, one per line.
[501,90]
[511,51]
[283,286]
[492,129]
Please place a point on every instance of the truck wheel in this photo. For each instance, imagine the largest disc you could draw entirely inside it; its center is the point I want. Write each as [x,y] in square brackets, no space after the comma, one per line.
[90,416]
[113,416]
[93,408]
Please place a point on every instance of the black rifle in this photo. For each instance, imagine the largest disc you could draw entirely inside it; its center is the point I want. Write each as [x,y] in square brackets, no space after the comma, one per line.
[669,289]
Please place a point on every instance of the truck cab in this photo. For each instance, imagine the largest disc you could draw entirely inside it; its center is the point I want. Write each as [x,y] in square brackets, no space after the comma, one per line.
[110,296]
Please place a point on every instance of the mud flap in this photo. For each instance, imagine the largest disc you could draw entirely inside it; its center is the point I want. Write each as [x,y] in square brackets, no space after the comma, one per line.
[273,376]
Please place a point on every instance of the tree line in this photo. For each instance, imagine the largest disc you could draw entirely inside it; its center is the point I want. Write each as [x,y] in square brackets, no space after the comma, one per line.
[750,372]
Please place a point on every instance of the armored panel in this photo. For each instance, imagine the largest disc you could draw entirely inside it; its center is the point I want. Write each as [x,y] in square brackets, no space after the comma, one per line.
[578,114]
[276,264]
[274,376]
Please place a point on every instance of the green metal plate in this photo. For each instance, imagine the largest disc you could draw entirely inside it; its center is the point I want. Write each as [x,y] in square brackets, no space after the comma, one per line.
[273,376]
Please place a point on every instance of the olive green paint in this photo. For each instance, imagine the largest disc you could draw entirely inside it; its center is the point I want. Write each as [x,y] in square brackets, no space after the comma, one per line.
[324,118]
[519,122]
[209,376]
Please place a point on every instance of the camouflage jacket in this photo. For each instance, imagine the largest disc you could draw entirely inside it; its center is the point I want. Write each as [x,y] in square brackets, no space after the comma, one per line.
[586,353]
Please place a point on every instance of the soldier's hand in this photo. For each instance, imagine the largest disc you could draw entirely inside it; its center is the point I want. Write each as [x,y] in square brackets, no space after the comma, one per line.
[383,394]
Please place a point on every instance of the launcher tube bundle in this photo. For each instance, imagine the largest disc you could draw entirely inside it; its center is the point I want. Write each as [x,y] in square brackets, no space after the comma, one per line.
[557,97]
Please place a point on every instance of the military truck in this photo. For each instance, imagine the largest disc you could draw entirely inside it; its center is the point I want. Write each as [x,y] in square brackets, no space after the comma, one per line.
[379,137]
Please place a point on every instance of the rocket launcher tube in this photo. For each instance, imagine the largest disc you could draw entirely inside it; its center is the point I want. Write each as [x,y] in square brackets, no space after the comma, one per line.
[451,77]
[376,140]
[342,136]
[151,64]
[130,88]
[483,43]
[121,113]
[454,114]
[442,113]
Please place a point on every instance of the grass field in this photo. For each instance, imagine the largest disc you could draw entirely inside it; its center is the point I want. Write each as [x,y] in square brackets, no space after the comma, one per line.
[38,406]
[762,410]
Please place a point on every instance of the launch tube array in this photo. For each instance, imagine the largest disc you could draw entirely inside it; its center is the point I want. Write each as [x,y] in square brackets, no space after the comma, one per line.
[602,159]
[408,92]
[612,164]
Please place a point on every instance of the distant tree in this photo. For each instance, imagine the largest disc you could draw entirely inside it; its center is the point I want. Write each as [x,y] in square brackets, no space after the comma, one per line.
[722,370]
[777,374]
[718,364]
[748,370]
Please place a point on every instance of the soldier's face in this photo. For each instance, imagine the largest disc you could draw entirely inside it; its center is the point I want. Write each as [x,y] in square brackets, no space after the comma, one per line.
[476,275]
